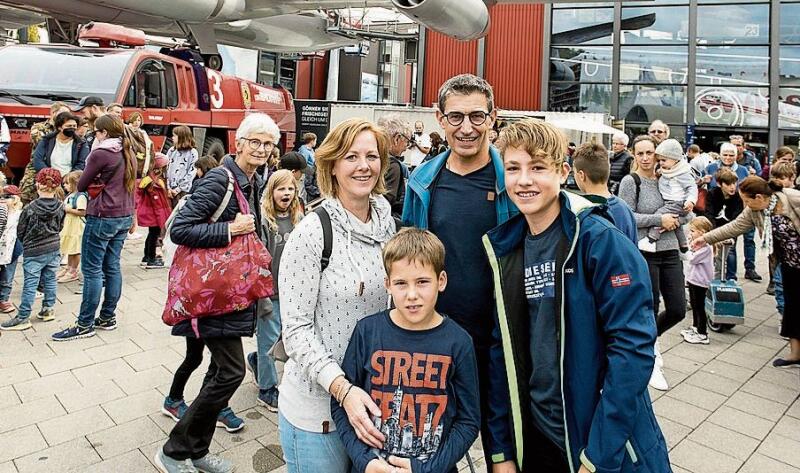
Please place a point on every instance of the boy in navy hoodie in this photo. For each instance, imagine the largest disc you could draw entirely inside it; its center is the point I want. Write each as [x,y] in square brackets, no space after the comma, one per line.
[418,366]
[574,325]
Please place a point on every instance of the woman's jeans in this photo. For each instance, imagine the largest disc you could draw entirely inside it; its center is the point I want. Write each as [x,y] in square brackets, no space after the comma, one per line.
[311,452]
[101,249]
[666,276]
[268,329]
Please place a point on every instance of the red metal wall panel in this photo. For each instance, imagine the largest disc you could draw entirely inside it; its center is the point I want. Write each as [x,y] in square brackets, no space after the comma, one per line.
[514,55]
[444,58]
[303,79]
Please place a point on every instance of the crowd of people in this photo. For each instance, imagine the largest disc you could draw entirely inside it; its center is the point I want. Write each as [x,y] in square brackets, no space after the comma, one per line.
[508,306]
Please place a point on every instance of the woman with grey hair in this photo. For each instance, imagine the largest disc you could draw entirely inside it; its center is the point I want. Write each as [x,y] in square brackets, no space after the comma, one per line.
[187,449]
[398,131]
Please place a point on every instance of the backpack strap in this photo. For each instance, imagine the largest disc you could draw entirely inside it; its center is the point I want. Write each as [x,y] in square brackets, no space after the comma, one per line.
[327,236]
[225,199]
[638,181]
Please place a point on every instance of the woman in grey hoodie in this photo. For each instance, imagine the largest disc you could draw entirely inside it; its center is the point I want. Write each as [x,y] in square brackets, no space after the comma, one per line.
[320,308]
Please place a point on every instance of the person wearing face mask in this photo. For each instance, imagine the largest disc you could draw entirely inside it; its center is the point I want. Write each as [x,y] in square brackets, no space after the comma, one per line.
[62,149]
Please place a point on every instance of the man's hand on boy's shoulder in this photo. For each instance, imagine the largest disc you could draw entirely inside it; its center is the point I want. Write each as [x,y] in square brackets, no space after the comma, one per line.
[505,467]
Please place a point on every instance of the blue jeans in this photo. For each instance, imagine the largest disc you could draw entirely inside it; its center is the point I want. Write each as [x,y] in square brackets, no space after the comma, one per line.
[311,452]
[101,249]
[37,268]
[750,250]
[778,280]
[7,273]
[268,328]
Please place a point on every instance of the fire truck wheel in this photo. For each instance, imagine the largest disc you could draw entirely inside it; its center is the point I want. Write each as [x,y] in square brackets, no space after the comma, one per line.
[213,146]
[213,61]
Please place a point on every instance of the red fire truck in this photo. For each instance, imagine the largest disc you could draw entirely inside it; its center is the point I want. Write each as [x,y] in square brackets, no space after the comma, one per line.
[169,88]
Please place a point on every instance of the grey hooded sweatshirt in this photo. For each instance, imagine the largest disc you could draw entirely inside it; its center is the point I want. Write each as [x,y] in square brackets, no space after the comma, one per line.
[319,310]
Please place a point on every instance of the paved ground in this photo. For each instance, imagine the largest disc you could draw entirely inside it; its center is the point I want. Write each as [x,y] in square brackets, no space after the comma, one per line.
[93,405]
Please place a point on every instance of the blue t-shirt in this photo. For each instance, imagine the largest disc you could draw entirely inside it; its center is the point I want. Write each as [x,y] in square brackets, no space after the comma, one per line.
[540,291]
[623,217]
[462,211]
[425,383]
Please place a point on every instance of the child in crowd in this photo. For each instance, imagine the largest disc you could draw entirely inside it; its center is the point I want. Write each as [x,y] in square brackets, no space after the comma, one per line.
[592,168]
[678,189]
[74,222]
[182,156]
[295,162]
[784,173]
[280,212]
[574,294]
[153,209]
[39,229]
[201,168]
[701,270]
[10,247]
[723,205]
[418,365]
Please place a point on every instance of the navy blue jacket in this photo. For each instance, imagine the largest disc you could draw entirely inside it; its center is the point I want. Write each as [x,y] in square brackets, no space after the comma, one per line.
[192,228]
[45,147]
[607,334]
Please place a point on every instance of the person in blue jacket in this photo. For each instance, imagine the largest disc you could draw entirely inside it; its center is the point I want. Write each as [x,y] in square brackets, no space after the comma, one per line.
[460,195]
[63,149]
[574,317]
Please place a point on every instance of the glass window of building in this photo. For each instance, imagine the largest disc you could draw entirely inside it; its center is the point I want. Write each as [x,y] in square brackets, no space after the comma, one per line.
[653,64]
[731,65]
[580,64]
[732,106]
[655,25]
[645,103]
[582,26]
[580,98]
[733,24]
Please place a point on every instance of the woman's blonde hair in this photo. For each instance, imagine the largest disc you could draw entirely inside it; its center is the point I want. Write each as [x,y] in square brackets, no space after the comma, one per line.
[335,147]
[270,214]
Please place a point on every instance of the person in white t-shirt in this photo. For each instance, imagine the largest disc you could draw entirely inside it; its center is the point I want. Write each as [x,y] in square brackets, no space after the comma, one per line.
[62,150]
[419,147]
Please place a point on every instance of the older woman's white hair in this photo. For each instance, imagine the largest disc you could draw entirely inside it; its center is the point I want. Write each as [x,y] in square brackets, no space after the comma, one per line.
[620,137]
[258,123]
[728,147]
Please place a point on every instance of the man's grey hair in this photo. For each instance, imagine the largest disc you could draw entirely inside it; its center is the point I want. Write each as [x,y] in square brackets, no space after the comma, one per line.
[258,123]
[728,147]
[465,84]
[394,125]
[661,124]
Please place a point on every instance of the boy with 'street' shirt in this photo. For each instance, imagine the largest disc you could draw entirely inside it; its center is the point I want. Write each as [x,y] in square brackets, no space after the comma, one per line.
[418,366]
[574,314]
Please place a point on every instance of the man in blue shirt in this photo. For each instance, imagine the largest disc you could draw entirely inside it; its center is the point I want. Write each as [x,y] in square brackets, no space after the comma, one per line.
[307,149]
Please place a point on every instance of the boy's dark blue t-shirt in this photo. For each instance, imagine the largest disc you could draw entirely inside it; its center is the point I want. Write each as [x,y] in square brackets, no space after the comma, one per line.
[620,213]
[540,291]
[461,212]
[426,385]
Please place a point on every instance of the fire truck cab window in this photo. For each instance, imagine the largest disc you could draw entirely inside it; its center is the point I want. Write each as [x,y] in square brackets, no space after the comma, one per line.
[153,86]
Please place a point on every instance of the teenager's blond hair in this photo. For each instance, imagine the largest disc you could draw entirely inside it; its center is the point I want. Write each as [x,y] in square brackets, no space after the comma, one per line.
[335,147]
[413,244]
[535,137]
[270,214]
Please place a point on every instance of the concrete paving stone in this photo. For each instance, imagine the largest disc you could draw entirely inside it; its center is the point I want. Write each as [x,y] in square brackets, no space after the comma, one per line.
[701,459]
[699,353]
[30,413]
[73,346]
[152,358]
[112,351]
[677,469]
[743,359]
[25,354]
[696,396]
[655,393]
[70,456]
[771,391]
[742,422]
[46,386]
[674,377]
[143,380]
[256,425]
[757,405]
[788,427]
[251,457]
[787,378]
[94,395]
[8,397]
[754,350]
[166,424]
[131,407]
[20,442]
[762,464]
[727,370]
[679,363]
[102,372]
[61,363]
[673,432]
[781,448]
[131,462]
[794,411]
[714,382]
[17,374]
[154,340]
[756,338]
[8,467]
[724,440]
[680,412]
[77,424]
[126,437]
[121,333]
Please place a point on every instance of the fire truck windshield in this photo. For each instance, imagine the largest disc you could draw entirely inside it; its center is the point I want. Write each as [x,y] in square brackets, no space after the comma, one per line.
[43,74]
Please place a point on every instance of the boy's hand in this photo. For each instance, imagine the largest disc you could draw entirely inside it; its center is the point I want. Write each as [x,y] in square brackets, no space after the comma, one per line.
[505,467]
[400,465]
[359,406]
[688,206]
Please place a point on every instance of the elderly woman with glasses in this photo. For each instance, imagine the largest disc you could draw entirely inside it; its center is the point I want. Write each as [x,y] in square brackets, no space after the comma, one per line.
[187,448]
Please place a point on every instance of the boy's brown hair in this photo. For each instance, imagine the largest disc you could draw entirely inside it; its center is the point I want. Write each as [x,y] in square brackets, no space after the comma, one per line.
[781,171]
[726,176]
[592,159]
[309,137]
[535,137]
[413,244]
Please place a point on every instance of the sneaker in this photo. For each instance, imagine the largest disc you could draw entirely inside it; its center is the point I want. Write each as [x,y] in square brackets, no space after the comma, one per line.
[752,275]
[39,294]
[68,276]
[213,464]
[105,324]
[646,245]
[771,288]
[143,263]
[7,307]
[252,365]
[659,359]
[16,323]
[167,464]
[174,409]
[269,398]
[155,264]
[782,363]
[73,333]
[47,315]
[695,338]
[62,271]
[688,330]
[658,380]
[229,420]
